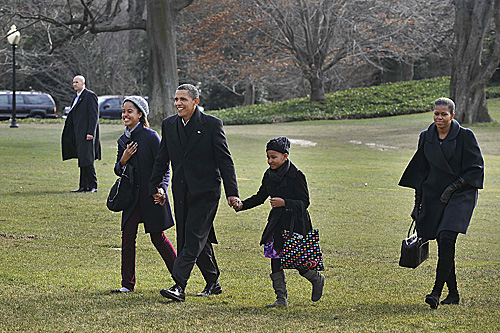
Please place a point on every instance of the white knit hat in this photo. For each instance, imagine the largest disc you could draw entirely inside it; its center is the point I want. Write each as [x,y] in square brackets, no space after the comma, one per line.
[140,102]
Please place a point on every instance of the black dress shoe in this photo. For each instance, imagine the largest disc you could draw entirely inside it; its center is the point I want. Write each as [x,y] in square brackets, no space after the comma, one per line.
[451,299]
[81,189]
[211,289]
[175,293]
[432,300]
[91,190]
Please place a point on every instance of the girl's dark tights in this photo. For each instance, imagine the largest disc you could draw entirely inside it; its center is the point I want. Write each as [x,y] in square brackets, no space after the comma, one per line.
[276,267]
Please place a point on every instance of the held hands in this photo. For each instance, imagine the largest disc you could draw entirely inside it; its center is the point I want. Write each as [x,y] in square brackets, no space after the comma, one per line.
[89,137]
[129,152]
[160,198]
[235,202]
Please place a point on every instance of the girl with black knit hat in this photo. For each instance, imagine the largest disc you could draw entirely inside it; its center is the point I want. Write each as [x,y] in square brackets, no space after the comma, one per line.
[287,187]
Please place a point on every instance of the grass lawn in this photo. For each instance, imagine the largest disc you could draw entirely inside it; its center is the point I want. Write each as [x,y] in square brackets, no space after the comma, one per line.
[59,251]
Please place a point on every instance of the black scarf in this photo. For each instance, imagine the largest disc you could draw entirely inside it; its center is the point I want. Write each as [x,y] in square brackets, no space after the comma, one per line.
[276,176]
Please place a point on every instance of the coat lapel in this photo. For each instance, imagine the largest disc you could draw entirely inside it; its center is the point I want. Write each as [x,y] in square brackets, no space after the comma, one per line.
[79,99]
[450,142]
[434,151]
[182,133]
[198,130]
[173,131]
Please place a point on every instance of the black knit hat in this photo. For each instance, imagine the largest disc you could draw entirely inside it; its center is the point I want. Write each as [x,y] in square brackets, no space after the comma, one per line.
[281,145]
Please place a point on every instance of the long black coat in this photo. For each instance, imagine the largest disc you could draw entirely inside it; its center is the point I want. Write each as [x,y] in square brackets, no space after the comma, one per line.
[435,166]
[198,164]
[82,120]
[293,188]
[156,218]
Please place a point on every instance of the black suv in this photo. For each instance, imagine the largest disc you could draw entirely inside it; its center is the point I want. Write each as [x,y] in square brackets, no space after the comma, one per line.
[28,104]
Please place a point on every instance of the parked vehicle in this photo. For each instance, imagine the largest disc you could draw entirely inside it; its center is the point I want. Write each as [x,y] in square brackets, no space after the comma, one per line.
[110,106]
[28,104]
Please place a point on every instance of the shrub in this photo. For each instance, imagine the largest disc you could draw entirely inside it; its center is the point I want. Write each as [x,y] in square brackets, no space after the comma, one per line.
[388,99]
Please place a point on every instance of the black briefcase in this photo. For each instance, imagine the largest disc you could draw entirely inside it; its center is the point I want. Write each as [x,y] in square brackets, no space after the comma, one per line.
[414,249]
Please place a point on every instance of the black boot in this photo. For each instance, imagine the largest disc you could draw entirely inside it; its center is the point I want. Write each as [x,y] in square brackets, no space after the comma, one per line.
[446,259]
[432,299]
[451,282]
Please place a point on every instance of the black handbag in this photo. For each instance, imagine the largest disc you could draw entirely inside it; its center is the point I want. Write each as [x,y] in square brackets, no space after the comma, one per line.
[121,194]
[414,249]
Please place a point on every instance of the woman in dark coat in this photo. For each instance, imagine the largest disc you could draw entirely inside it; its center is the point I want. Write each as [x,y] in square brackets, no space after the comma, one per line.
[446,172]
[287,187]
[137,147]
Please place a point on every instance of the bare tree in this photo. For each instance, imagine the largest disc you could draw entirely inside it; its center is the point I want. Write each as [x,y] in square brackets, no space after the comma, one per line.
[72,20]
[229,47]
[323,34]
[476,57]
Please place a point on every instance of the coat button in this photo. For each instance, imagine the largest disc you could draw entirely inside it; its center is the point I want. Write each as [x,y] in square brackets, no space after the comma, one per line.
[180,202]
[182,181]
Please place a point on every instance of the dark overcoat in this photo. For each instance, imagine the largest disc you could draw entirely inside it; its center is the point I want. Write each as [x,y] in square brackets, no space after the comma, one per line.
[156,218]
[435,166]
[83,119]
[199,164]
[293,188]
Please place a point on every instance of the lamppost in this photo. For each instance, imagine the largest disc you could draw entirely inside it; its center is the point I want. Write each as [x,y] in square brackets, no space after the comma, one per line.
[13,36]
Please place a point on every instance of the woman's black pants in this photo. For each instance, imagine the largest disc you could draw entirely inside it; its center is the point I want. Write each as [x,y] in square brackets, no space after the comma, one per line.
[445,271]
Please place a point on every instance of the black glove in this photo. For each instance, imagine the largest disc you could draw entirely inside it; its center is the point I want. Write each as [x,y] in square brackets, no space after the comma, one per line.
[452,188]
[418,205]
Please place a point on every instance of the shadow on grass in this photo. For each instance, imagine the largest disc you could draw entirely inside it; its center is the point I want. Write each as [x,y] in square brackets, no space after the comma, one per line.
[36,193]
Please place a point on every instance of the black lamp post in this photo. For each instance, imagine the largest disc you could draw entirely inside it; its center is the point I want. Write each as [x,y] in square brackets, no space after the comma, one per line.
[13,36]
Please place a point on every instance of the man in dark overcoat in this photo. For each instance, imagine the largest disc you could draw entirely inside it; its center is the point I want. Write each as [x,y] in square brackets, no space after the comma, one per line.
[80,136]
[194,144]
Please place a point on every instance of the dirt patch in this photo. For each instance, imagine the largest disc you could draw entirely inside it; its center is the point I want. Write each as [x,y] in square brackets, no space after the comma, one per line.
[373,145]
[302,143]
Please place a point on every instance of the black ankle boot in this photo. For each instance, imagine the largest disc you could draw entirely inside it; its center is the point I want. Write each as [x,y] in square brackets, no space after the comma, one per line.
[433,300]
[451,299]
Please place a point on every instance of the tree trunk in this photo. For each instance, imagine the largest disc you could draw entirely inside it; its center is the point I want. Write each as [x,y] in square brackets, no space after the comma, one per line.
[317,86]
[471,69]
[469,96]
[163,78]
[249,94]
[317,90]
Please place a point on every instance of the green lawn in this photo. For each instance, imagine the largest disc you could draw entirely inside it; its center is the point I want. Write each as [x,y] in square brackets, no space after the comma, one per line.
[59,257]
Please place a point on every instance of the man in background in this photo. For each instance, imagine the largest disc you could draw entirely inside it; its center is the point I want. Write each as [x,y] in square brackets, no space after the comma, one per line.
[80,136]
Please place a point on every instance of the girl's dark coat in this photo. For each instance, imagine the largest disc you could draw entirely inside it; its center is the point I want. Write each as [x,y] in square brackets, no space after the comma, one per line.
[156,218]
[293,188]
[435,166]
